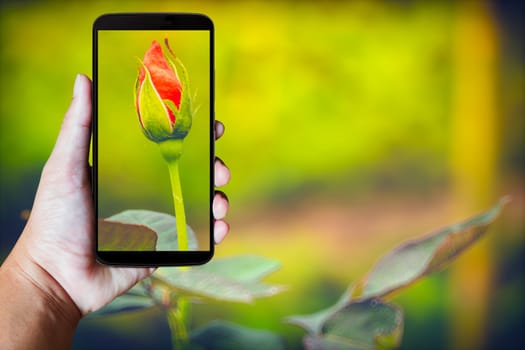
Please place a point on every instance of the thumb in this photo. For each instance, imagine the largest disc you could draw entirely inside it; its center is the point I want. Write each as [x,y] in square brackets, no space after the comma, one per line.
[72,146]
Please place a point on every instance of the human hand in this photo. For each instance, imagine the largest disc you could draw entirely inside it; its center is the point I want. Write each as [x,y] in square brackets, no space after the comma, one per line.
[56,249]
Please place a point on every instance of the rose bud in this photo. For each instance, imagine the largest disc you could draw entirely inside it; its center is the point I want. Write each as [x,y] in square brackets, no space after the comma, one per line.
[162,99]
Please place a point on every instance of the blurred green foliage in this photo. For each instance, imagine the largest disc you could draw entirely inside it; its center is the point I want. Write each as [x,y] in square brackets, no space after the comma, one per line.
[309,97]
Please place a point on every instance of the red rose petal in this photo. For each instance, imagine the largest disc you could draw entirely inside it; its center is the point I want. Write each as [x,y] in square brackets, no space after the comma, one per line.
[163,77]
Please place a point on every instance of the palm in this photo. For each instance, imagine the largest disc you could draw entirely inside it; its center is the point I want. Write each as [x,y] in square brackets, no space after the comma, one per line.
[65,245]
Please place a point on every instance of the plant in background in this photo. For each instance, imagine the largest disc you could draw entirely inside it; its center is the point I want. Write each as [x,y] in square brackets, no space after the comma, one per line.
[232,279]
[360,319]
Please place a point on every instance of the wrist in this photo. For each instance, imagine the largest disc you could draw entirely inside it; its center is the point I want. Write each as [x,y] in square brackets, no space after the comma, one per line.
[38,311]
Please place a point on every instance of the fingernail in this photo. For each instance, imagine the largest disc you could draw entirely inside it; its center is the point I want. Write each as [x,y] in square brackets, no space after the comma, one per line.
[219,128]
[76,88]
[219,209]
[222,174]
[221,229]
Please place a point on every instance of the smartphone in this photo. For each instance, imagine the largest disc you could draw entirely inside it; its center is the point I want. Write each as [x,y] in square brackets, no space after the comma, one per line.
[153,138]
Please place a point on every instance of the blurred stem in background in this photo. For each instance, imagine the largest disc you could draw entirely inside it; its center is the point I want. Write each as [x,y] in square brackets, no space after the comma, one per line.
[178,322]
[474,163]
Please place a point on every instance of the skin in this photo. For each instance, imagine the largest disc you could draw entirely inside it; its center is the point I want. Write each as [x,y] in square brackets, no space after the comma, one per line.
[51,279]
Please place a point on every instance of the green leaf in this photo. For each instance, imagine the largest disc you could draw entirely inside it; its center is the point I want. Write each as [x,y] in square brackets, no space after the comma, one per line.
[153,112]
[201,284]
[313,323]
[371,323]
[422,256]
[242,268]
[119,236]
[365,325]
[124,303]
[221,335]
[233,279]
[163,224]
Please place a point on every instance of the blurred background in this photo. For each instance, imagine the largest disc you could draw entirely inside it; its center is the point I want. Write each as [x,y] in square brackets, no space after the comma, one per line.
[350,127]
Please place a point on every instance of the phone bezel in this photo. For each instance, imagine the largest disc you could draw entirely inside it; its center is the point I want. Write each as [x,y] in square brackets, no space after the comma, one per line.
[152,21]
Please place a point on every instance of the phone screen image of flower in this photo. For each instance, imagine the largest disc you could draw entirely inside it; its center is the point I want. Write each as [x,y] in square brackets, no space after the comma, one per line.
[154,138]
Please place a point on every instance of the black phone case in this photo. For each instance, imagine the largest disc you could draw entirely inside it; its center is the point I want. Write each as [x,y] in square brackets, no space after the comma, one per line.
[152,21]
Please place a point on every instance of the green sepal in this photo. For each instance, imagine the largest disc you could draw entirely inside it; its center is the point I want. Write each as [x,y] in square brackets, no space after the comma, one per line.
[153,112]
[181,128]
[135,91]
[184,113]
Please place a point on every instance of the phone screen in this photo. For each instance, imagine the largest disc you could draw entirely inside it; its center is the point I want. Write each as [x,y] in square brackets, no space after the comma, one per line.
[153,141]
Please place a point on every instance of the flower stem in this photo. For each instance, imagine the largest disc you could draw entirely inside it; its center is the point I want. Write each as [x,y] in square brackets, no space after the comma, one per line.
[171,151]
[177,318]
